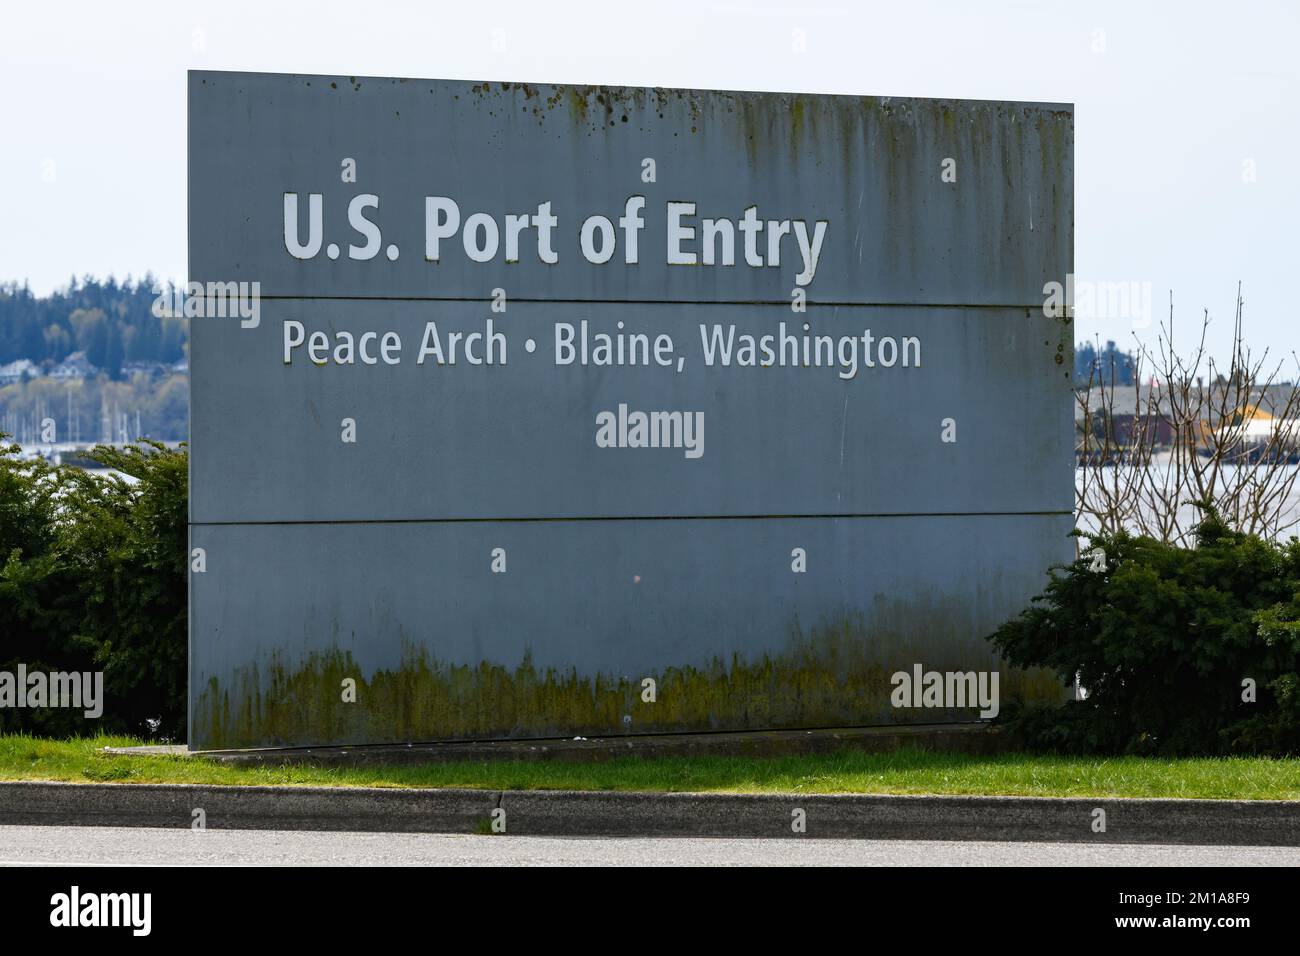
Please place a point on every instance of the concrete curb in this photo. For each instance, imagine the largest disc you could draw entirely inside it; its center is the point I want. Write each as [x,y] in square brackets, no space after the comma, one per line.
[590,814]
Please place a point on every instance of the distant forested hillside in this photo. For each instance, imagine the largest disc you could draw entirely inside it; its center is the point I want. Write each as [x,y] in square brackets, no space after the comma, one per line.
[1106,365]
[111,322]
[95,359]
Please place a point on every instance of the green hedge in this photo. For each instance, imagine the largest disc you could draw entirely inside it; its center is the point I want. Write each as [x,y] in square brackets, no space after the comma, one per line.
[1163,640]
[93,578]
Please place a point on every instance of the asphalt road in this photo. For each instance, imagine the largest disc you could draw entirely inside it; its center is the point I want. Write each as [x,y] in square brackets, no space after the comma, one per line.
[90,846]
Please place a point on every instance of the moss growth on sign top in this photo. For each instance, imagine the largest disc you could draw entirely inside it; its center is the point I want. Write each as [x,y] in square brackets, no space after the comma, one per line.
[835,678]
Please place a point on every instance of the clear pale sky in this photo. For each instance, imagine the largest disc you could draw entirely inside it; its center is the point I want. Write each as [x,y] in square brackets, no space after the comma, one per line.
[1174,103]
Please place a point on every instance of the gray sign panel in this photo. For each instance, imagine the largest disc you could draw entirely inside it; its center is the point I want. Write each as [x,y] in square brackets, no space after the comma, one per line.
[547,392]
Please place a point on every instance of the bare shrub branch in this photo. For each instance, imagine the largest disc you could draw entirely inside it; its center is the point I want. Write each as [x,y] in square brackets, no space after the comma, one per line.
[1195,435]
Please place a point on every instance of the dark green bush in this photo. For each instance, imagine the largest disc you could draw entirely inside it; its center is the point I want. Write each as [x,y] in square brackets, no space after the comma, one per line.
[1162,641]
[93,578]
[36,629]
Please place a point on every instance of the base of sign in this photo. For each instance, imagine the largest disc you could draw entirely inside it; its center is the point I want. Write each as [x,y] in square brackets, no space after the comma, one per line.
[977,737]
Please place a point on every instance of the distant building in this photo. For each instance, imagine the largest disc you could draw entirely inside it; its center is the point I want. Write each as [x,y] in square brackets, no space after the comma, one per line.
[74,366]
[1124,414]
[1252,425]
[150,369]
[19,370]
[1210,415]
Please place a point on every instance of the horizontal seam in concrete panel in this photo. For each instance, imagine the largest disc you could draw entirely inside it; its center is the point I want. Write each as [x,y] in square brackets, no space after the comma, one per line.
[901,514]
[835,304]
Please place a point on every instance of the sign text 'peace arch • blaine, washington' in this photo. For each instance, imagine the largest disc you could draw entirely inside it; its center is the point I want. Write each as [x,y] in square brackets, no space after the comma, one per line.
[587,410]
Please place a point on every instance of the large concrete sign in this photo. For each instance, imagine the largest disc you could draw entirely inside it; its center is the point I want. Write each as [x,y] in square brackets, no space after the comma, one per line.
[527,411]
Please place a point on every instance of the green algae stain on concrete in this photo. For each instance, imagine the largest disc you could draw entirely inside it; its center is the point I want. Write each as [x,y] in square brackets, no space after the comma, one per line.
[828,679]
